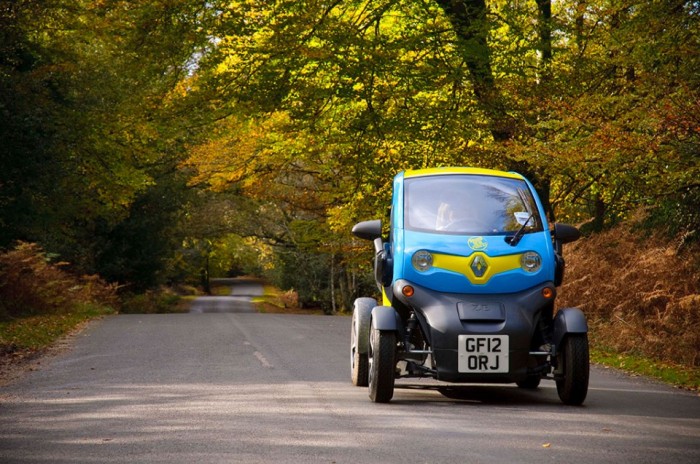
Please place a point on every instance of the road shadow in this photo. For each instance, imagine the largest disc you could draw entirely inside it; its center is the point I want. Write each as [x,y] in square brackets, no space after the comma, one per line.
[611,393]
[492,395]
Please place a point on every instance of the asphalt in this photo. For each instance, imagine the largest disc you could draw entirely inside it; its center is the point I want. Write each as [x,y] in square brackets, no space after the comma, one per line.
[275,388]
[243,290]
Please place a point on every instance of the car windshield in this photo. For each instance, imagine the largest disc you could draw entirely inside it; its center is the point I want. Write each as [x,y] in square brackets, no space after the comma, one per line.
[469,204]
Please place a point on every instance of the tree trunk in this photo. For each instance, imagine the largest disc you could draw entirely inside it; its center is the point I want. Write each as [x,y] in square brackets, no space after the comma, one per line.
[544,28]
[599,211]
[468,18]
[333,307]
[542,180]
[471,25]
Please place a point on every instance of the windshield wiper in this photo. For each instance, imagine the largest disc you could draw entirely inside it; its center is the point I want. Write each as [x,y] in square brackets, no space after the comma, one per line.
[515,239]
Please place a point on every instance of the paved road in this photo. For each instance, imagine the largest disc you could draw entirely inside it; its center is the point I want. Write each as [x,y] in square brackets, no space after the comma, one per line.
[239,301]
[210,388]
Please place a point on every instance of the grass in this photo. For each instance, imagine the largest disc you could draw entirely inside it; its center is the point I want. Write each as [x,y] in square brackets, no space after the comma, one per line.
[679,376]
[33,333]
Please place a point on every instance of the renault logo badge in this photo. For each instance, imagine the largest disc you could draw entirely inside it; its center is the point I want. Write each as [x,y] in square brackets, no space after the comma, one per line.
[479,266]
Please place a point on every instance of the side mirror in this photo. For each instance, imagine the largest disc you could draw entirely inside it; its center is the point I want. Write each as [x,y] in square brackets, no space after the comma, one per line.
[368,230]
[564,233]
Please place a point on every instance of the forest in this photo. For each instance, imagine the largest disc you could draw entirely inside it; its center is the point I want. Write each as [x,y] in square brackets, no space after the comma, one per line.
[164,141]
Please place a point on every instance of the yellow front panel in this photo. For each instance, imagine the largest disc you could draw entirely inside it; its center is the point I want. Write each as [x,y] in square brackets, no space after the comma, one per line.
[463,265]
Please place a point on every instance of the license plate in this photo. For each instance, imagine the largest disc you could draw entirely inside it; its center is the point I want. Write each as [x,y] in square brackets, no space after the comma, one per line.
[482,353]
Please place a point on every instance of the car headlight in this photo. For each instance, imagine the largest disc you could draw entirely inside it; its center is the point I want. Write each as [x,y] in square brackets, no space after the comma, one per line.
[422,260]
[531,261]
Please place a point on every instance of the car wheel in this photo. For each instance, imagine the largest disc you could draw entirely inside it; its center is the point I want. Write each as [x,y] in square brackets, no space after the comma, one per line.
[382,361]
[359,335]
[572,384]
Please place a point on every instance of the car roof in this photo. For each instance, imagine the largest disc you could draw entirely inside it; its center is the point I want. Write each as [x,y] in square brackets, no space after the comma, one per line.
[460,170]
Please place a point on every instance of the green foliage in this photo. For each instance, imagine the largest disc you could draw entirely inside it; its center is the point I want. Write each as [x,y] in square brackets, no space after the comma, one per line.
[307,273]
[235,256]
[678,214]
[221,234]
[87,128]
[135,251]
[320,104]
[619,128]
[290,118]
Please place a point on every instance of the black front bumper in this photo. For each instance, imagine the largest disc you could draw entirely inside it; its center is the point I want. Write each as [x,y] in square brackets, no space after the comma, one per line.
[443,317]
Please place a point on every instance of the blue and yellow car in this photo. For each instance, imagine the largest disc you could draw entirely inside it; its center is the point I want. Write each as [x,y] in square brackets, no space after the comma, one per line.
[468,277]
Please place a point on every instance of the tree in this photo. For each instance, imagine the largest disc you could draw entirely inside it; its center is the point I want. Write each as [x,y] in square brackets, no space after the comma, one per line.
[89,128]
[290,118]
[325,101]
[626,72]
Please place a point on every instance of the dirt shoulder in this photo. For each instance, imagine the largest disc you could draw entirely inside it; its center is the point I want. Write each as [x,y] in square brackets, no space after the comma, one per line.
[16,363]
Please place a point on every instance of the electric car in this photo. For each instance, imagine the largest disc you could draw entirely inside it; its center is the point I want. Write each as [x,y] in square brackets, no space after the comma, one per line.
[468,276]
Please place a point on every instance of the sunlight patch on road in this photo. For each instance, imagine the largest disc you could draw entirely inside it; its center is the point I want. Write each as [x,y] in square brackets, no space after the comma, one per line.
[263,360]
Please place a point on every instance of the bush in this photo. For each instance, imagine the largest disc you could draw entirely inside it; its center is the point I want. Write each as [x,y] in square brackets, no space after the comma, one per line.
[151,302]
[640,292]
[290,299]
[678,215]
[307,273]
[30,284]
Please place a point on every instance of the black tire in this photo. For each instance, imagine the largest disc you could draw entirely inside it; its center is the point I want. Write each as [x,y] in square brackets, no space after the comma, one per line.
[359,364]
[530,383]
[382,361]
[572,385]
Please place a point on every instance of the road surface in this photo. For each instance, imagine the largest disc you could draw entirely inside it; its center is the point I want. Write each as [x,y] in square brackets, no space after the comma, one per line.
[250,388]
[239,301]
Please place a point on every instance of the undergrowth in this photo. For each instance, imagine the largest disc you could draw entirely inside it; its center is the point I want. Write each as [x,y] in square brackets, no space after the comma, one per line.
[32,284]
[640,291]
[40,301]
[154,302]
[32,333]
[274,300]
